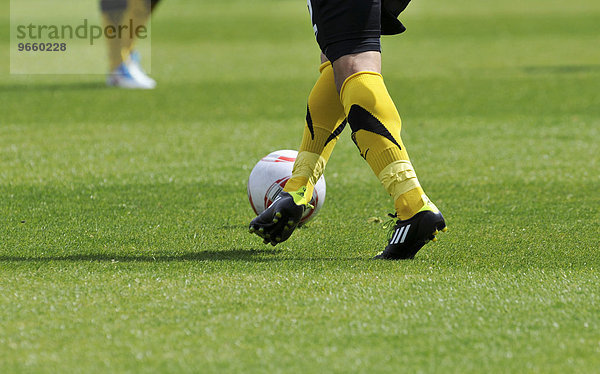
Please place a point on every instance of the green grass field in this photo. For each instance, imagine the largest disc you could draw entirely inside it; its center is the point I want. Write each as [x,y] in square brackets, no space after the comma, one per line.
[123,215]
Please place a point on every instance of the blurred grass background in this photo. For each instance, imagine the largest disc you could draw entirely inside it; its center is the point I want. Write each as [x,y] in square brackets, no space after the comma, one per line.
[123,241]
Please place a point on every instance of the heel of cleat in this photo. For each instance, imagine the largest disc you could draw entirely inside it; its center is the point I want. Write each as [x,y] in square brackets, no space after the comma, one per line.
[410,235]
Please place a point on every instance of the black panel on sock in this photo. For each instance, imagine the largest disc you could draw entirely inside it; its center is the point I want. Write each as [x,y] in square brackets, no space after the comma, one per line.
[309,123]
[361,119]
[336,132]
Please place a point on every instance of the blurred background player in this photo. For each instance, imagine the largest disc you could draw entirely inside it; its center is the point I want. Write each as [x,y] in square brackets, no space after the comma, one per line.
[125,70]
[351,90]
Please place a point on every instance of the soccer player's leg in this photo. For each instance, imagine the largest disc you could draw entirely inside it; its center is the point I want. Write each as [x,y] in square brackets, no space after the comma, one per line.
[153,4]
[138,14]
[113,14]
[124,62]
[325,120]
[348,32]
[376,126]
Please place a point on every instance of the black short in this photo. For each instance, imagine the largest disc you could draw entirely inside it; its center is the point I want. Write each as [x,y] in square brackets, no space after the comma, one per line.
[118,5]
[344,27]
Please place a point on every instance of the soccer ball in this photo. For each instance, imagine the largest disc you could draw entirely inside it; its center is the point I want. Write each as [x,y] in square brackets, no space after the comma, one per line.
[270,175]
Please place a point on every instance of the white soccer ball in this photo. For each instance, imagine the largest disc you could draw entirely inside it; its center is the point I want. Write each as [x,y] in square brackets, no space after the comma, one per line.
[270,175]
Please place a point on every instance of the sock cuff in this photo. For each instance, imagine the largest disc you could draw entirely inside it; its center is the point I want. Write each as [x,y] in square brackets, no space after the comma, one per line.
[324,66]
[324,107]
[354,77]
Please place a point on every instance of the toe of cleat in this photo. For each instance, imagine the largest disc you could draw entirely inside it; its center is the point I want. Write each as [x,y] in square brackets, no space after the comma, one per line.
[277,222]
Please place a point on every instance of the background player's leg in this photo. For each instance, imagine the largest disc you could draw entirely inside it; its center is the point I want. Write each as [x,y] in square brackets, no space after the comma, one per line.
[376,126]
[138,11]
[325,121]
[124,65]
[153,4]
[113,13]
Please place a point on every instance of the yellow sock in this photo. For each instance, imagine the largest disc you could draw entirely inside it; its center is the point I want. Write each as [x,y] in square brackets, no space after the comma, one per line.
[138,13]
[113,14]
[325,120]
[376,126]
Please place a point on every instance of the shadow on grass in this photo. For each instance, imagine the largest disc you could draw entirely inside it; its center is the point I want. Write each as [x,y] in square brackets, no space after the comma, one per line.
[67,86]
[243,255]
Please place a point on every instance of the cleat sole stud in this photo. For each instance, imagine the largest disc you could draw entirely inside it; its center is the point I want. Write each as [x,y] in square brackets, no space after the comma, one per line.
[275,220]
[290,222]
[445,229]
[278,239]
[251,230]
[278,215]
[434,239]
[267,236]
[261,230]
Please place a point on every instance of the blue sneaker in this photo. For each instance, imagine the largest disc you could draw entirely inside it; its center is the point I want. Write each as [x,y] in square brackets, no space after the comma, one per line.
[130,75]
[135,57]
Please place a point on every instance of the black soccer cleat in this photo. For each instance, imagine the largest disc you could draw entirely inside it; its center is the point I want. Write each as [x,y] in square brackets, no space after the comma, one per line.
[411,235]
[277,223]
